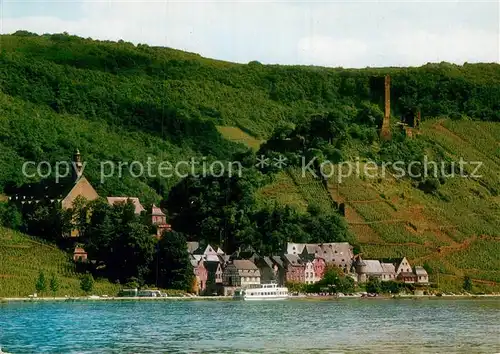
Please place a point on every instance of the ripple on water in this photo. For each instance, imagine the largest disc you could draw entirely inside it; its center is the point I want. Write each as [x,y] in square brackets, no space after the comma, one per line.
[350,326]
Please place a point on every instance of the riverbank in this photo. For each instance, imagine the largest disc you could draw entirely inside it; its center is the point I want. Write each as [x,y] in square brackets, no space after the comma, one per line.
[114,298]
[226,298]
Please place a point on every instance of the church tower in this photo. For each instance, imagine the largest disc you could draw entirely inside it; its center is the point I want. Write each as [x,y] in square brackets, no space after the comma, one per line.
[77,166]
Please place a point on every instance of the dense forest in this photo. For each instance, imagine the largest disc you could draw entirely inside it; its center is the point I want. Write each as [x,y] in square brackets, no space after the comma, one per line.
[116,101]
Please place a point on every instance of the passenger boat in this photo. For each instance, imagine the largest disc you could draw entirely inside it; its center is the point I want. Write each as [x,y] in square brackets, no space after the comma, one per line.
[269,291]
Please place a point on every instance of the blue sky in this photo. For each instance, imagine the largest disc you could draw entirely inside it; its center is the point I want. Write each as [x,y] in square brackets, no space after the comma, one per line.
[328,33]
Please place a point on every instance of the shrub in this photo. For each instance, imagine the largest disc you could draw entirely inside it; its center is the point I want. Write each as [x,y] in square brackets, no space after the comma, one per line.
[87,283]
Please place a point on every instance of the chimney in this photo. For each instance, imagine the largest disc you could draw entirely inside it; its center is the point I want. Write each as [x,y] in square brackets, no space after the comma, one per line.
[385,132]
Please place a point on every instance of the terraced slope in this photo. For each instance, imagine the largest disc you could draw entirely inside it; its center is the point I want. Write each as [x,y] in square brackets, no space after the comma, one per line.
[21,259]
[454,234]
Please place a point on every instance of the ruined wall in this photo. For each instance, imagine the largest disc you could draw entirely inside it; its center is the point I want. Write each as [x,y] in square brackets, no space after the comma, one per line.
[385,132]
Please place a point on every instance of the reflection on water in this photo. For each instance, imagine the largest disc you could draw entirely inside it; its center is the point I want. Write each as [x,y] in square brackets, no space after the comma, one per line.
[357,326]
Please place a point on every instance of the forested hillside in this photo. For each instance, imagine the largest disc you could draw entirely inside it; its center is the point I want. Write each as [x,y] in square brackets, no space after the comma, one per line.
[69,92]
[121,102]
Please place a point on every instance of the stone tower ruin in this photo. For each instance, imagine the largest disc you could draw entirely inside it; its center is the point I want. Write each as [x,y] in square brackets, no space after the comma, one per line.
[385,132]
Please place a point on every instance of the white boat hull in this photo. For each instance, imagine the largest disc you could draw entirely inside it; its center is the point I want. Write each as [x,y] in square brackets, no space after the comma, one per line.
[264,293]
[263,298]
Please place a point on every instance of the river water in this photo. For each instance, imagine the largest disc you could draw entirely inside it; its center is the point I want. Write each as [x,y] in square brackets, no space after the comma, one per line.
[290,326]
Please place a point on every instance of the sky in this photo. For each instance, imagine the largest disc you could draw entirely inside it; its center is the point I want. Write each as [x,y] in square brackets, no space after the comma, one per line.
[351,34]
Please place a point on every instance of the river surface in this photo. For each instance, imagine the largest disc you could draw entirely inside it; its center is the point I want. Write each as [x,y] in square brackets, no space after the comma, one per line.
[337,326]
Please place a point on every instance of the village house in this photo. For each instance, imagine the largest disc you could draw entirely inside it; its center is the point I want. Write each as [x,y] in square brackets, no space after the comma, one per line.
[210,254]
[267,269]
[309,273]
[421,274]
[372,268]
[391,269]
[200,273]
[368,268]
[279,270]
[138,208]
[319,267]
[403,269]
[240,273]
[159,219]
[401,264]
[214,278]
[213,261]
[339,254]
[295,268]
[388,271]
[79,255]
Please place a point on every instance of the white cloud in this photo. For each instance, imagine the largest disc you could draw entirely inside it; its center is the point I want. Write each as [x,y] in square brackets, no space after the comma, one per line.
[328,51]
[459,46]
[349,34]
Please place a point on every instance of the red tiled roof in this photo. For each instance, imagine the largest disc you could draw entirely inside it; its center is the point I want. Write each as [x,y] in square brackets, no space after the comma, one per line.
[138,206]
[156,211]
[79,250]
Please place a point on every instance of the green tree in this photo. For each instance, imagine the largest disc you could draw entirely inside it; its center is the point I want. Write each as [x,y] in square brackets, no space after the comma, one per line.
[54,284]
[174,267]
[10,216]
[47,220]
[345,285]
[374,286]
[87,283]
[467,285]
[41,282]
[392,287]
[119,240]
[336,280]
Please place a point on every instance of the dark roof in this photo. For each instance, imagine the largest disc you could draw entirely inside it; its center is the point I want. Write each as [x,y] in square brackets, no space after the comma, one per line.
[245,252]
[278,261]
[395,261]
[244,264]
[293,259]
[268,261]
[79,250]
[211,266]
[45,189]
[420,270]
[155,211]
[264,261]
[192,246]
